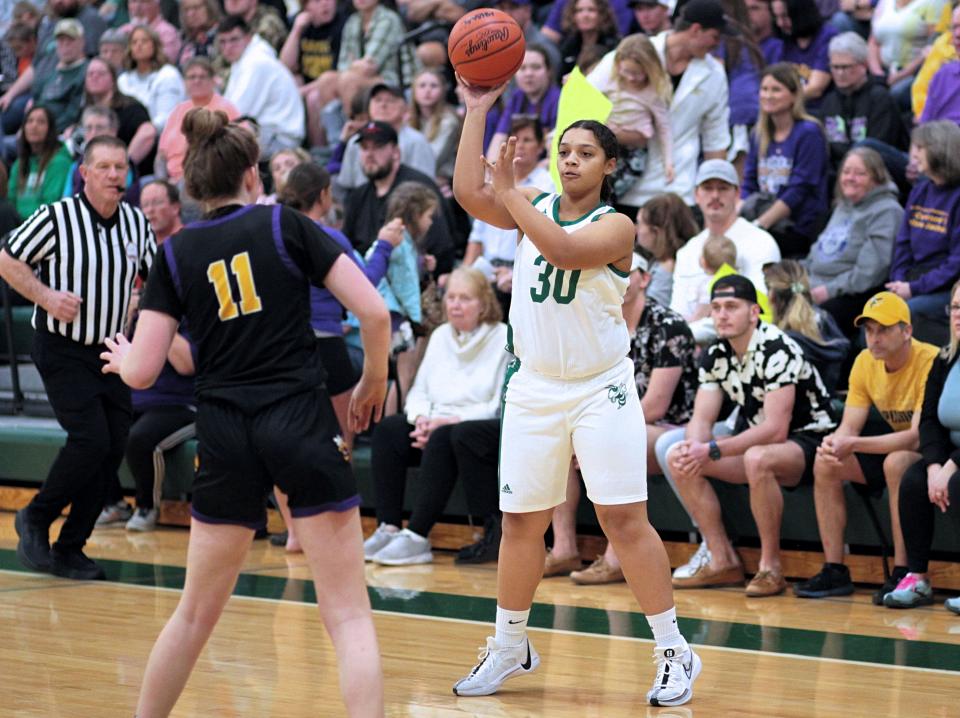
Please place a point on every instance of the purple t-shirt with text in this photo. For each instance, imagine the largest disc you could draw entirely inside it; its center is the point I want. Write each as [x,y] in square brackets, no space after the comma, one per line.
[794,171]
[929,239]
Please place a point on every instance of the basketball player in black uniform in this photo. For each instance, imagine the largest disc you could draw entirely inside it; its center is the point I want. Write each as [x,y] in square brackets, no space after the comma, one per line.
[241,280]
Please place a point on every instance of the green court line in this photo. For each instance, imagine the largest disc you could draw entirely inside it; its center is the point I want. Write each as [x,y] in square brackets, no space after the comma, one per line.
[592,621]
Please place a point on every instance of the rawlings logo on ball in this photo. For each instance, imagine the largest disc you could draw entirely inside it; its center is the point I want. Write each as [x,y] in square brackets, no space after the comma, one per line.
[486,47]
[482,43]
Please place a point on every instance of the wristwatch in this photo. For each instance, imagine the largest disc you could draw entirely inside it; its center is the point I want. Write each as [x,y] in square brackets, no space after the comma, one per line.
[714,450]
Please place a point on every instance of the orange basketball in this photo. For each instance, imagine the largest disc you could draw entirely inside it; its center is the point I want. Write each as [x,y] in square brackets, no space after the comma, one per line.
[486,47]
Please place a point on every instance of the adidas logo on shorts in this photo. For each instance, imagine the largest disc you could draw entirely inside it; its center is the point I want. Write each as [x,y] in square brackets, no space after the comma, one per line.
[506,489]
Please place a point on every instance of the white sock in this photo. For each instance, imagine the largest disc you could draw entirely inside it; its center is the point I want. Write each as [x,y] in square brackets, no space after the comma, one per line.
[511,627]
[665,630]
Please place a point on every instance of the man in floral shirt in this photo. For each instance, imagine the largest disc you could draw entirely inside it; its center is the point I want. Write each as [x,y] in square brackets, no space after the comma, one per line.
[783,413]
[662,350]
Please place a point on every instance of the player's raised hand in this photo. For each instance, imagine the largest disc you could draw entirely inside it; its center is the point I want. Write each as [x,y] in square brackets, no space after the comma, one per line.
[479,98]
[502,175]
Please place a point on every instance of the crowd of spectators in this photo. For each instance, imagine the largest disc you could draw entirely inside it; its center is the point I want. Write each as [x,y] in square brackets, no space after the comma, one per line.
[792,166]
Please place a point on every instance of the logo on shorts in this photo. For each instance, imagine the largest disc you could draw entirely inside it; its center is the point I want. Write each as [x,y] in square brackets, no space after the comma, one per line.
[506,489]
[617,394]
[342,447]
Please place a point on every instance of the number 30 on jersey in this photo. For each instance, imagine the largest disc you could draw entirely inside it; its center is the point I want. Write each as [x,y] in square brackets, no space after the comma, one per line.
[563,291]
[249,299]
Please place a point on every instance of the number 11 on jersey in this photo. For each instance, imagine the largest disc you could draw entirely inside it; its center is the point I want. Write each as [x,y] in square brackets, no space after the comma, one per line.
[249,299]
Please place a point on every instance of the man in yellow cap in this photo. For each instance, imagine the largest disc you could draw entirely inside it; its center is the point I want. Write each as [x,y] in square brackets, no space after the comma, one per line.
[890,374]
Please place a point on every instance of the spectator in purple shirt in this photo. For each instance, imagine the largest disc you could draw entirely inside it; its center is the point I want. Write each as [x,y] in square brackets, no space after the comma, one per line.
[761,24]
[926,254]
[785,178]
[943,96]
[535,94]
[806,42]
[743,60]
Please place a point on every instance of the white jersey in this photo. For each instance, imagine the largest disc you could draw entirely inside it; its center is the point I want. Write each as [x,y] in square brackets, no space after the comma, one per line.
[566,324]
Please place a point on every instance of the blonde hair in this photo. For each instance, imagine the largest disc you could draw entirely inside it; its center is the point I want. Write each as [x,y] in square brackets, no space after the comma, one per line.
[785,74]
[639,49]
[430,126]
[719,250]
[490,312]
[790,302]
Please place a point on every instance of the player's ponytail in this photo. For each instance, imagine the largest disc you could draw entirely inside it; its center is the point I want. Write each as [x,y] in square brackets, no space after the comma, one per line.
[609,145]
[218,153]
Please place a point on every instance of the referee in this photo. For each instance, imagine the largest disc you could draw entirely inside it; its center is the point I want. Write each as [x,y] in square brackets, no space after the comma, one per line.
[76,260]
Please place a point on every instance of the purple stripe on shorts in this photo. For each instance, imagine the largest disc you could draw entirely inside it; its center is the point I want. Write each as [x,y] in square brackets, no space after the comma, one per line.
[281,248]
[303,512]
[172,264]
[252,525]
[221,220]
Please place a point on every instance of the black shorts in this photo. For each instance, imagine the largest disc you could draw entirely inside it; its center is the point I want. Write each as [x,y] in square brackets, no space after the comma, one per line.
[336,362]
[808,441]
[293,444]
[872,467]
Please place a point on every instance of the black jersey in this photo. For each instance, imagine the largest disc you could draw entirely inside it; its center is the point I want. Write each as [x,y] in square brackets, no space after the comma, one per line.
[241,278]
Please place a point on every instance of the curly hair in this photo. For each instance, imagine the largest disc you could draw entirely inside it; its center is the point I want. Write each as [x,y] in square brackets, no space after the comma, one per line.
[606,20]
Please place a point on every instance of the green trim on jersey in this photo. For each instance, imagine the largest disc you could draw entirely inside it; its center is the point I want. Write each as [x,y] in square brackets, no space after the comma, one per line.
[612,210]
[539,197]
[562,223]
[618,272]
[509,346]
[512,368]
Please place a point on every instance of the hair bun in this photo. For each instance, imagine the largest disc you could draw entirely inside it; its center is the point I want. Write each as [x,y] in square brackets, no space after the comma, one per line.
[201,125]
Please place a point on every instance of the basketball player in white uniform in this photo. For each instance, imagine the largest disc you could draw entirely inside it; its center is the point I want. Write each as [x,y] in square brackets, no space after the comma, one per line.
[570,390]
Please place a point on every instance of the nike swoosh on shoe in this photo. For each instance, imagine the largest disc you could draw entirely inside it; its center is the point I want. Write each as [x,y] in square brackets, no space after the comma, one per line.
[527,663]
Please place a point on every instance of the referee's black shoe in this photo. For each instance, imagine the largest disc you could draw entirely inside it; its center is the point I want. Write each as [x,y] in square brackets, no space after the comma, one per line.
[73,563]
[33,548]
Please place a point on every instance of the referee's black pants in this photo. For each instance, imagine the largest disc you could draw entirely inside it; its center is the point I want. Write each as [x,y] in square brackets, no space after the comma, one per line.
[94,409]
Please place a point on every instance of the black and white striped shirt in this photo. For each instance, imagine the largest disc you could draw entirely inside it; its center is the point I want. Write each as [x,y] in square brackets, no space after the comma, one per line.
[76,250]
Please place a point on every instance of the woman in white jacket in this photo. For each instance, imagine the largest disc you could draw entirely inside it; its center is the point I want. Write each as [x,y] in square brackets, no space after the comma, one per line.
[150,78]
[459,380]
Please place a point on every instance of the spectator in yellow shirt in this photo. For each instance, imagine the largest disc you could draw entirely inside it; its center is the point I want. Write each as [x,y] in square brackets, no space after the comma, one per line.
[890,376]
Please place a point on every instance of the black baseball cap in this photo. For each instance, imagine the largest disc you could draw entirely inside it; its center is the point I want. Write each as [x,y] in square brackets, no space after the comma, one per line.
[386,87]
[708,14]
[379,132]
[734,286]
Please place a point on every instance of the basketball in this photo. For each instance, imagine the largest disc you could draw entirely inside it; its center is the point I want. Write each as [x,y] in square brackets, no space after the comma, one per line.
[486,47]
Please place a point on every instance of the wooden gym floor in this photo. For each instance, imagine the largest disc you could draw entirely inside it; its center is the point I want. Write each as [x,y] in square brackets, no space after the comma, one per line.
[78,650]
